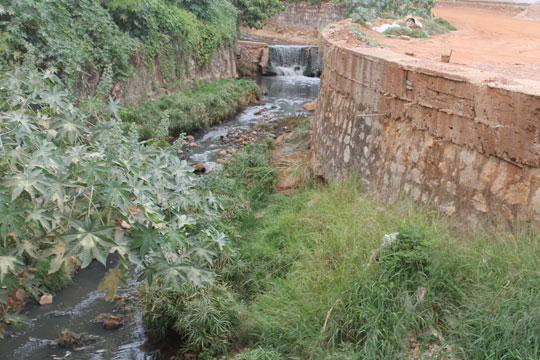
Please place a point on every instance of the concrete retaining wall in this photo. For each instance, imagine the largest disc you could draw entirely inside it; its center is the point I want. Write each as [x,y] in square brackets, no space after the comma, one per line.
[446,135]
[304,15]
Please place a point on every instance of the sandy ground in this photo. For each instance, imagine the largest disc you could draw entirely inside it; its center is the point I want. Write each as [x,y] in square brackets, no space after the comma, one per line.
[272,34]
[488,39]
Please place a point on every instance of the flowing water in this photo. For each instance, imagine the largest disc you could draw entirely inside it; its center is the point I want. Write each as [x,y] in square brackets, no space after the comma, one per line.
[75,306]
[294,60]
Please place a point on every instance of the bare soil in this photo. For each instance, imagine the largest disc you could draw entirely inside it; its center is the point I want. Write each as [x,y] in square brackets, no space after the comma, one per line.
[273,34]
[487,39]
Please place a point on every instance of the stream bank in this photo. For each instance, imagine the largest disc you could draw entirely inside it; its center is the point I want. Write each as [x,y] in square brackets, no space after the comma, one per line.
[75,306]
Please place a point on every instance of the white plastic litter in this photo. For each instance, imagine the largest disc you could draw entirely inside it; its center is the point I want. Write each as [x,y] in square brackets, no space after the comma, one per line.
[384,27]
[388,239]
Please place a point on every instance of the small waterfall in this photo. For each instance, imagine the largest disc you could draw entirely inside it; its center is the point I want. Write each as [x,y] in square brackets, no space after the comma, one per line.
[293,60]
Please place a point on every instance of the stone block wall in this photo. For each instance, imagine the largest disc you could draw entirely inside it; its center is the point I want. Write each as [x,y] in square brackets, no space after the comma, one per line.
[447,135]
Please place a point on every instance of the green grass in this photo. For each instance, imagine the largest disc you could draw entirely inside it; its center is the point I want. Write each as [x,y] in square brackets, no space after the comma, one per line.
[310,255]
[430,27]
[204,105]
[403,30]
[310,279]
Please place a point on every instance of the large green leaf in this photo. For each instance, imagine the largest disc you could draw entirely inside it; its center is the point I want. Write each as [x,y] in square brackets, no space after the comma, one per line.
[8,264]
[145,239]
[41,216]
[29,181]
[11,219]
[117,194]
[93,171]
[123,248]
[89,239]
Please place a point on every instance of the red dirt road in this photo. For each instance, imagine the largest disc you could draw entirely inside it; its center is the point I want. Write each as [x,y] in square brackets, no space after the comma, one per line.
[488,40]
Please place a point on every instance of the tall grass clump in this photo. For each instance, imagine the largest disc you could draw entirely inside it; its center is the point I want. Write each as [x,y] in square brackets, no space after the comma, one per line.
[203,318]
[320,282]
[244,181]
[204,105]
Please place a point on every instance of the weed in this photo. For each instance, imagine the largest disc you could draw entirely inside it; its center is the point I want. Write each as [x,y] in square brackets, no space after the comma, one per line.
[406,259]
[51,282]
[403,30]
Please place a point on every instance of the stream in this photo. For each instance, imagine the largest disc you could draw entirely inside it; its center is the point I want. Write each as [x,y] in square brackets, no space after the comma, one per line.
[75,306]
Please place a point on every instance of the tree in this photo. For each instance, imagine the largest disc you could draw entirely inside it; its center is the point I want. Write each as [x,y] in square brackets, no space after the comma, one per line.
[255,13]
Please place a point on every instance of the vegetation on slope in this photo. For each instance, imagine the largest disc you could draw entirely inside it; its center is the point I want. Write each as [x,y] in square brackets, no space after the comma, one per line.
[311,277]
[331,290]
[76,184]
[430,27]
[368,10]
[204,105]
[205,320]
[74,187]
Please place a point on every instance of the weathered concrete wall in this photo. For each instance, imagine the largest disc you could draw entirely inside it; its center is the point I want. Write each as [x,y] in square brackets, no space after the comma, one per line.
[152,78]
[446,135]
[304,15]
[251,57]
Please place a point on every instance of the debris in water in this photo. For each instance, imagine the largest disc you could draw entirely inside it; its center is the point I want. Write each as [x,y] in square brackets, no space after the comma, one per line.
[46,300]
[199,168]
[109,321]
[68,338]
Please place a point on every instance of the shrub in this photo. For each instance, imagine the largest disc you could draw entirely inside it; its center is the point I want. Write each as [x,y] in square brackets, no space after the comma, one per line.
[169,29]
[407,260]
[258,354]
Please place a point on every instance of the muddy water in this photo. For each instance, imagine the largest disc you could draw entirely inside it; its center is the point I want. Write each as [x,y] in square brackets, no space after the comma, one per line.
[75,306]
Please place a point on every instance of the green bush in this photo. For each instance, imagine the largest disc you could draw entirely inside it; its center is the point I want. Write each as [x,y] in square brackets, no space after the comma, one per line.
[73,37]
[79,38]
[368,10]
[169,29]
[403,30]
[54,282]
[407,260]
[255,13]
[429,27]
